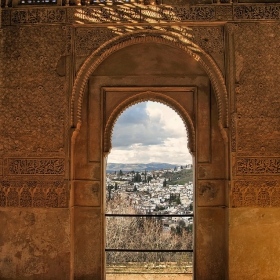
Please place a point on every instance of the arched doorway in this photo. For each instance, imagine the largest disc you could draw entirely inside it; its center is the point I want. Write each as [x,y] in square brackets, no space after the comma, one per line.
[149,195]
[149,70]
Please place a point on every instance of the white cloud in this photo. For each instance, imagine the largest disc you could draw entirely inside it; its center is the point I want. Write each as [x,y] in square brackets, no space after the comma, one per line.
[149,132]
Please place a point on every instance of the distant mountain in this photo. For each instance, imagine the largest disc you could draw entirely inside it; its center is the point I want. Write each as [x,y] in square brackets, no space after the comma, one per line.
[139,166]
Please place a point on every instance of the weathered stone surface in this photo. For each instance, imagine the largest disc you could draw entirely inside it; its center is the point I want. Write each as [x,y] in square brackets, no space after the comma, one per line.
[210,234]
[254,245]
[211,193]
[87,243]
[87,193]
[34,244]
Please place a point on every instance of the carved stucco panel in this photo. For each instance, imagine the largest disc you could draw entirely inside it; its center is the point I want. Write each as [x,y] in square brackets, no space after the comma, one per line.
[257,166]
[34,193]
[34,103]
[257,95]
[255,193]
[89,39]
[34,166]
[209,38]
[180,12]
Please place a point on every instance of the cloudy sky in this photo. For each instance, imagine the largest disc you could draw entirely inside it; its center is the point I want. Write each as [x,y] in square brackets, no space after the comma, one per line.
[149,132]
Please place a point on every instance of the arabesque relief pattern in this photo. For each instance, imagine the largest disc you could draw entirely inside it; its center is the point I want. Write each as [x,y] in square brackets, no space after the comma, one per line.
[53,194]
[88,39]
[140,13]
[175,39]
[256,193]
[257,166]
[34,115]
[255,121]
[34,103]
[257,94]
[42,166]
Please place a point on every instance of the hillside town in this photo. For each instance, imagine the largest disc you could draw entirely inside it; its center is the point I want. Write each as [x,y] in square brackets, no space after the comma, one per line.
[157,192]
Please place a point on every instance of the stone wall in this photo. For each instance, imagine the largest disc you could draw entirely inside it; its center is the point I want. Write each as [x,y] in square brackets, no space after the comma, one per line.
[255,148]
[42,50]
[34,188]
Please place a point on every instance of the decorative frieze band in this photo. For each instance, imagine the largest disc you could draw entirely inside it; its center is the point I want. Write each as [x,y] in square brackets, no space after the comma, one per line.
[255,194]
[33,194]
[257,166]
[35,166]
[256,12]
[139,13]
[33,16]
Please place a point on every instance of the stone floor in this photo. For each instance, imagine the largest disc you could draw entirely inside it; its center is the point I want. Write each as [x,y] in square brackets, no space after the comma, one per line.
[149,277]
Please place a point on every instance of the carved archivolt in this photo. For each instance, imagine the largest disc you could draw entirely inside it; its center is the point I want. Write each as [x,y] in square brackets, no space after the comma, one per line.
[151,96]
[150,36]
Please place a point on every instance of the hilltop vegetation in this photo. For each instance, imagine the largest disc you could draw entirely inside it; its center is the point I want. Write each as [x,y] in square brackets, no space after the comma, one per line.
[178,175]
[181,177]
[126,167]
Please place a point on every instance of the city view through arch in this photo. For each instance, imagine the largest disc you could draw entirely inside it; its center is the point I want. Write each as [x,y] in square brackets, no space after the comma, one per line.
[149,195]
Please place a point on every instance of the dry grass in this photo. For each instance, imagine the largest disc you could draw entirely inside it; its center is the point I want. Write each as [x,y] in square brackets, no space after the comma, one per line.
[149,277]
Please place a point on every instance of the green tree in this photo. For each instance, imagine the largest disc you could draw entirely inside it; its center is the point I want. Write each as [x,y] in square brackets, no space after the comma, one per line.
[164,183]
[145,180]
[191,207]
[110,187]
[189,228]
[137,177]
[178,200]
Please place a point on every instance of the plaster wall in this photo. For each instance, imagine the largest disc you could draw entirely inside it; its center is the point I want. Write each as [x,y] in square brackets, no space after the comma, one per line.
[254,246]
[35,244]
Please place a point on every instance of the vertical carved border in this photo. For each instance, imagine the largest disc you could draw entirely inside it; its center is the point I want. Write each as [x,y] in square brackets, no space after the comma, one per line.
[230,60]
[233,132]
[1,167]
